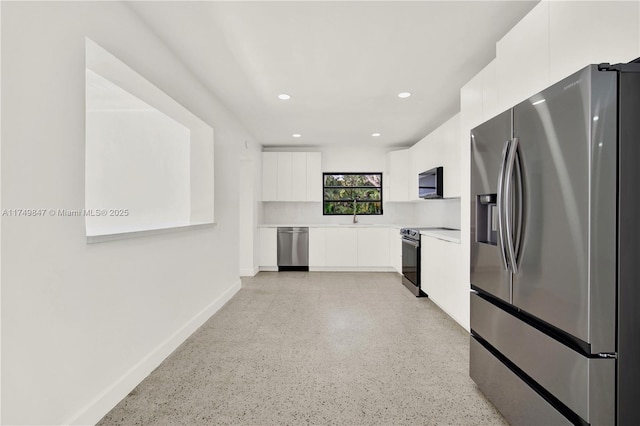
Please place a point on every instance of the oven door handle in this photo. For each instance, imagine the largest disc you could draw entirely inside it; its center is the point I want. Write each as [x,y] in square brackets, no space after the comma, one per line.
[411,242]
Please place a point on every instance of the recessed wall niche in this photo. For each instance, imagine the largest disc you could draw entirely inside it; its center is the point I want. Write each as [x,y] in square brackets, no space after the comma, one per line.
[148,160]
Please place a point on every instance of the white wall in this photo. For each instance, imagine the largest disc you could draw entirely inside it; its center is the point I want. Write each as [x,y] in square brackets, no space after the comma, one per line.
[83,324]
[250,208]
[444,213]
[1,204]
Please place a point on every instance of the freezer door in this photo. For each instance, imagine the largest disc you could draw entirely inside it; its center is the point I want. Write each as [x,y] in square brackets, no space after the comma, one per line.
[566,266]
[488,268]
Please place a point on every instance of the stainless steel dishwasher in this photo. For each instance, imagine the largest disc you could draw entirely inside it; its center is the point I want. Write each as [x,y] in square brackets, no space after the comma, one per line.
[293,249]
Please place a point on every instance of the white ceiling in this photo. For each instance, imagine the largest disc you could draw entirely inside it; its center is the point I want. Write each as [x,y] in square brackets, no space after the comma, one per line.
[343,63]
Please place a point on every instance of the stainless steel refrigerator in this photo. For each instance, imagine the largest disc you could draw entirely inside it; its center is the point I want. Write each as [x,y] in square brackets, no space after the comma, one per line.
[555,252]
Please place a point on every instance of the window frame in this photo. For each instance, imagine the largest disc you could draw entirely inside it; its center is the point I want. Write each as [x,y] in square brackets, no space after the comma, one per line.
[380,188]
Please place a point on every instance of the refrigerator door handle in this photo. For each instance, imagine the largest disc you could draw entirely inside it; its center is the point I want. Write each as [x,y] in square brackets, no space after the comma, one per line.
[519,226]
[508,201]
[500,206]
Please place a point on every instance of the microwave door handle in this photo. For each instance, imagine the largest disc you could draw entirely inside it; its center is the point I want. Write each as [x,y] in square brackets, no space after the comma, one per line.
[509,209]
[500,206]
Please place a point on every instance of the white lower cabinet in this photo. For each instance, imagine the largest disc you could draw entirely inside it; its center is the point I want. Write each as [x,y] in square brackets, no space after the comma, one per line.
[345,248]
[342,246]
[317,247]
[268,248]
[442,279]
[395,249]
[373,247]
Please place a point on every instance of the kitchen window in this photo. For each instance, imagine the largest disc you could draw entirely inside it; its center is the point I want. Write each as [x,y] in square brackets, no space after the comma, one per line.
[344,192]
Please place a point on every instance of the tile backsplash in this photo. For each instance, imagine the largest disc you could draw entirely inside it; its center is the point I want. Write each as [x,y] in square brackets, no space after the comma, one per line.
[445,213]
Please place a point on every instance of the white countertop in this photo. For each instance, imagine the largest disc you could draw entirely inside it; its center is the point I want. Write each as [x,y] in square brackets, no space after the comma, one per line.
[451,235]
[327,225]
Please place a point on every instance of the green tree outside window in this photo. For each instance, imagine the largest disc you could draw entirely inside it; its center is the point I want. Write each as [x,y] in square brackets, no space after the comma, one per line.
[343,191]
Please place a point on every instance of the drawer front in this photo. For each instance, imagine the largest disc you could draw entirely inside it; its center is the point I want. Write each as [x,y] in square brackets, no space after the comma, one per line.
[517,402]
[585,385]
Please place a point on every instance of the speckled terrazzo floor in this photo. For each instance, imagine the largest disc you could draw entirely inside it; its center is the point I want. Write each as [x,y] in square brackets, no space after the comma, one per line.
[316,348]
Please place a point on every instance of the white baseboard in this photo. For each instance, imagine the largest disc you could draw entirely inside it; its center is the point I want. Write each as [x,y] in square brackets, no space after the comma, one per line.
[269,268]
[339,268]
[453,317]
[109,398]
[249,272]
[352,269]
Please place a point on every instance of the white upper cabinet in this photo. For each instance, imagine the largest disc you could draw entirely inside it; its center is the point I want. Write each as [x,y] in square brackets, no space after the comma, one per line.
[523,58]
[285,175]
[291,176]
[415,153]
[471,102]
[398,178]
[451,156]
[269,176]
[441,148]
[299,176]
[314,176]
[489,76]
[583,33]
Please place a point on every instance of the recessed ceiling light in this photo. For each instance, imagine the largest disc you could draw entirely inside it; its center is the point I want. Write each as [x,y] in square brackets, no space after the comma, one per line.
[284,96]
[375,135]
[404,95]
[296,135]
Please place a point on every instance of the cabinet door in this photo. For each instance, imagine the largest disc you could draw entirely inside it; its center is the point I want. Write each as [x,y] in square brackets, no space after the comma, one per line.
[431,279]
[489,91]
[317,247]
[314,176]
[269,176]
[415,168]
[373,247]
[342,246]
[395,249]
[451,178]
[442,279]
[583,33]
[398,175]
[285,174]
[523,58]
[299,176]
[268,247]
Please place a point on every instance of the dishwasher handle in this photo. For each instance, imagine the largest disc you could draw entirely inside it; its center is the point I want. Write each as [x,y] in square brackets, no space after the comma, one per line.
[292,230]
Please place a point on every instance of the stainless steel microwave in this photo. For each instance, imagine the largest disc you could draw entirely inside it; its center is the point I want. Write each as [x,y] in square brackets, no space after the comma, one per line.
[430,184]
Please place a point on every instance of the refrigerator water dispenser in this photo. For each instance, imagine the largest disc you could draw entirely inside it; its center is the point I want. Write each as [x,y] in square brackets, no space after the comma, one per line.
[487,219]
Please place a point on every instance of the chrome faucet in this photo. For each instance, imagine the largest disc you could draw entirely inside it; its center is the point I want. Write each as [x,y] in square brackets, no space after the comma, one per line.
[355,217]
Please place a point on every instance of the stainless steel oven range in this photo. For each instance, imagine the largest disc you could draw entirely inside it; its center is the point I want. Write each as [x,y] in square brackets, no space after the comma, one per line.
[411,260]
